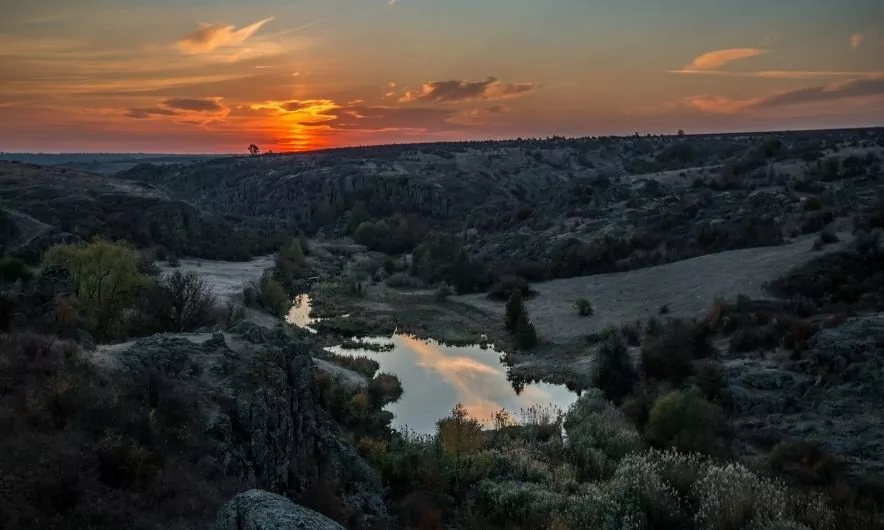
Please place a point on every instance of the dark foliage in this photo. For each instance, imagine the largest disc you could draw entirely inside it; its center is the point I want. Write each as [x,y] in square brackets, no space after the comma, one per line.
[668,352]
[503,289]
[614,373]
[854,277]
[78,450]
[179,302]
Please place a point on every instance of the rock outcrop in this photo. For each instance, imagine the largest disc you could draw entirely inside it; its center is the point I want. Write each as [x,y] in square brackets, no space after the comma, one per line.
[260,510]
[260,400]
[831,396]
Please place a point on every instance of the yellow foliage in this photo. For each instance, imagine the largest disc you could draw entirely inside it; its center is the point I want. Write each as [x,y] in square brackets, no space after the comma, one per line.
[107,278]
[460,434]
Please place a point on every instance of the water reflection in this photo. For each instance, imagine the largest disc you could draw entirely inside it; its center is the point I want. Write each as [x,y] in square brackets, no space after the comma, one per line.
[435,377]
[299,313]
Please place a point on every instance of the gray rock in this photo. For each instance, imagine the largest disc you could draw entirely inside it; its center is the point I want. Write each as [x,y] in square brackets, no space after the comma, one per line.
[260,510]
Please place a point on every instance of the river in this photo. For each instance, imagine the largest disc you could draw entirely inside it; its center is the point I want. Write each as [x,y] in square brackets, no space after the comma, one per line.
[435,377]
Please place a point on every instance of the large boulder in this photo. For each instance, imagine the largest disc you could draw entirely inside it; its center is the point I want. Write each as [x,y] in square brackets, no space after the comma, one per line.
[260,510]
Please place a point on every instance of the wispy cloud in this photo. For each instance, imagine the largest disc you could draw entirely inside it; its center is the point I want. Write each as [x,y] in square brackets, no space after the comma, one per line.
[854,88]
[781,74]
[212,36]
[856,40]
[183,110]
[196,104]
[716,59]
[463,91]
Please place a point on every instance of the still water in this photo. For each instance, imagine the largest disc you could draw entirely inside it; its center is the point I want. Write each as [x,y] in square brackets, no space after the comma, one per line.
[436,377]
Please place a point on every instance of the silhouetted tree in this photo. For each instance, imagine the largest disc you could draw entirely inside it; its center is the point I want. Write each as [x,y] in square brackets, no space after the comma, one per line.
[515,308]
[254,150]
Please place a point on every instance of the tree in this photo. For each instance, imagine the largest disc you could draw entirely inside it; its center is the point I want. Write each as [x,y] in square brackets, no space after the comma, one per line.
[254,150]
[290,262]
[106,278]
[515,308]
[184,301]
[526,334]
[614,373]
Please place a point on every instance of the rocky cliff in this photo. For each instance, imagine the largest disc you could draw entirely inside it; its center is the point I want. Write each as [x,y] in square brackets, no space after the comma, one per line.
[259,399]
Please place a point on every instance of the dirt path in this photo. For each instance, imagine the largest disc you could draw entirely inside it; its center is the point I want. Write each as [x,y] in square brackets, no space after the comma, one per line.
[686,287]
[33,228]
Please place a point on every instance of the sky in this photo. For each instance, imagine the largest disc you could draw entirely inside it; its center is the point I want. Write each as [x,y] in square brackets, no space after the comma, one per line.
[213,76]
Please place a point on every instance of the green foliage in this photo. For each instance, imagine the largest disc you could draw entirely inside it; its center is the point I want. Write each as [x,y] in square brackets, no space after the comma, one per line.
[515,308]
[584,307]
[13,269]
[269,294]
[598,435]
[393,235]
[686,421]
[290,264]
[107,282]
[614,373]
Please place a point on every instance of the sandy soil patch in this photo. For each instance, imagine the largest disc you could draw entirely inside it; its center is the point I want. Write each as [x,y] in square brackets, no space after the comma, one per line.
[227,278]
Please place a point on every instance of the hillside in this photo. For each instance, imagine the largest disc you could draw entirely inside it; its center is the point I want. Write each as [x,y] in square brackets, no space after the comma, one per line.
[554,208]
[43,205]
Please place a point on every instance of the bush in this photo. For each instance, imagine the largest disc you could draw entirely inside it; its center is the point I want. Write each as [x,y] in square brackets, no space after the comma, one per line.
[614,373]
[713,385]
[668,353]
[13,269]
[384,388]
[598,435]
[400,280]
[505,288]
[180,302]
[442,292]
[804,461]
[584,307]
[268,294]
[686,421]
[361,364]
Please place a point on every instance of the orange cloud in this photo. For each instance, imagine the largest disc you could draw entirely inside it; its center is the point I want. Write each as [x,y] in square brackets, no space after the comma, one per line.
[856,40]
[464,91]
[212,36]
[715,59]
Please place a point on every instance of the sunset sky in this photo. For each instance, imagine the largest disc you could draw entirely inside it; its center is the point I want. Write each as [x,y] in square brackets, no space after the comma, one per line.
[217,75]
